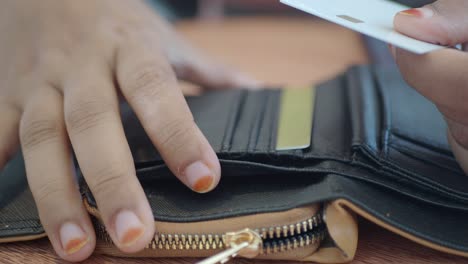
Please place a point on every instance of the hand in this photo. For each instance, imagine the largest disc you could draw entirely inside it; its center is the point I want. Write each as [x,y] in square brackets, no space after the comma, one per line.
[441,76]
[63,65]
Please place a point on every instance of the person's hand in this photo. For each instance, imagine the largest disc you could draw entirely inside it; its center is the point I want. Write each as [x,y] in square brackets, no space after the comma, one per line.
[63,66]
[441,76]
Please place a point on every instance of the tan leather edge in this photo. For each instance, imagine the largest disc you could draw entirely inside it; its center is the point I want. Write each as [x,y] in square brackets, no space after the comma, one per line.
[361,212]
[22,238]
[328,255]
[343,229]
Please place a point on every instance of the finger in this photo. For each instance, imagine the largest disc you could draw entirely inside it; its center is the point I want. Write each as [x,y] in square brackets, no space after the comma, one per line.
[438,76]
[460,152]
[49,172]
[9,124]
[98,139]
[149,85]
[212,75]
[459,129]
[444,22]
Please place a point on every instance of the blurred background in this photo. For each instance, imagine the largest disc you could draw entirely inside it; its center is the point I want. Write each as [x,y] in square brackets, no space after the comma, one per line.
[215,9]
[271,41]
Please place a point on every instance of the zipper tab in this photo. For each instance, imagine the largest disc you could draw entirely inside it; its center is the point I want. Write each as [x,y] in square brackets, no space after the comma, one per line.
[246,243]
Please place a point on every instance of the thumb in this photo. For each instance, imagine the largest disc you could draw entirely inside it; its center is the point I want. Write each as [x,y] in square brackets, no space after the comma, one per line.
[444,22]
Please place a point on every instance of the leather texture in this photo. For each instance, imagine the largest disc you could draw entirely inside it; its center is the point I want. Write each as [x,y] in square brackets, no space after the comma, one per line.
[375,142]
[18,214]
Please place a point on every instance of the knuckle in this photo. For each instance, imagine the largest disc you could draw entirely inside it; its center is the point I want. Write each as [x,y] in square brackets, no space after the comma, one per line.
[51,57]
[146,80]
[108,179]
[49,191]
[447,33]
[38,131]
[460,134]
[462,139]
[176,134]
[84,115]
[121,31]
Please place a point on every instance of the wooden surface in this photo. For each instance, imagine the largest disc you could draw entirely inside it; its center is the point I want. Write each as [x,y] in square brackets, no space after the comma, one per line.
[277,51]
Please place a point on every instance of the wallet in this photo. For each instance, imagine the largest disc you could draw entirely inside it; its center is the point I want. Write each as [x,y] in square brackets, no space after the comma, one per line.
[377,149]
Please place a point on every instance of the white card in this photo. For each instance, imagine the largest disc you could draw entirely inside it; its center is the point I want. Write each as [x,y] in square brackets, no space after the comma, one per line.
[370,17]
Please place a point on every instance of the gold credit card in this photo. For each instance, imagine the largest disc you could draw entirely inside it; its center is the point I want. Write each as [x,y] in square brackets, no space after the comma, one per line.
[295,118]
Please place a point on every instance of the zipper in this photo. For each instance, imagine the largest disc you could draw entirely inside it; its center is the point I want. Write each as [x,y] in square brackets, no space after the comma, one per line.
[248,243]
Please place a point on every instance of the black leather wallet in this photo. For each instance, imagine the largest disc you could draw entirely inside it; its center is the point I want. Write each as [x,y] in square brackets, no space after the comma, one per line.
[378,149]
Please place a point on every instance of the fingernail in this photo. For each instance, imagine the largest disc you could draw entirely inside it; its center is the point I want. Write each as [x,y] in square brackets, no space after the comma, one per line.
[422,12]
[128,228]
[73,238]
[200,177]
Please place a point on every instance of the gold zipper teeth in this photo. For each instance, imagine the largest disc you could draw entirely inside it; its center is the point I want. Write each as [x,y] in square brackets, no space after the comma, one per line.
[276,239]
[215,241]
[291,243]
[290,230]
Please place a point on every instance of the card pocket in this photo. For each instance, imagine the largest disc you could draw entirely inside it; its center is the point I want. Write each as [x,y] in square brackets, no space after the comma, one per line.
[215,113]
[252,116]
[242,126]
[401,134]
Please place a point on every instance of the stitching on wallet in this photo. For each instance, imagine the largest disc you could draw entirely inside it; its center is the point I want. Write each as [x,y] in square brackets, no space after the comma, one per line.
[251,125]
[260,117]
[274,125]
[264,125]
[408,152]
[430,185]
[22,220]
[21,228]
[228,129]
[227,147]
[385,116]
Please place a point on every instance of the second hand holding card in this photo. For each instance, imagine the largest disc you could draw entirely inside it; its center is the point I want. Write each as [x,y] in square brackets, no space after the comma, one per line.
[370,17]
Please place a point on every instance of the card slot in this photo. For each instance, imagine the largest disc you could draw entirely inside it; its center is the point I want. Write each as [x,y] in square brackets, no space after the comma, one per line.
[264,137]
[235,109]
[416,170]
[331,128]
[414,136]
[409,116]
[258,118]
[365,109]
[247,122]
[397,129]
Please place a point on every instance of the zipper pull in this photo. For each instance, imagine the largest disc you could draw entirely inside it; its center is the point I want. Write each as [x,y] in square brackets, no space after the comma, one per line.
[246,243]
